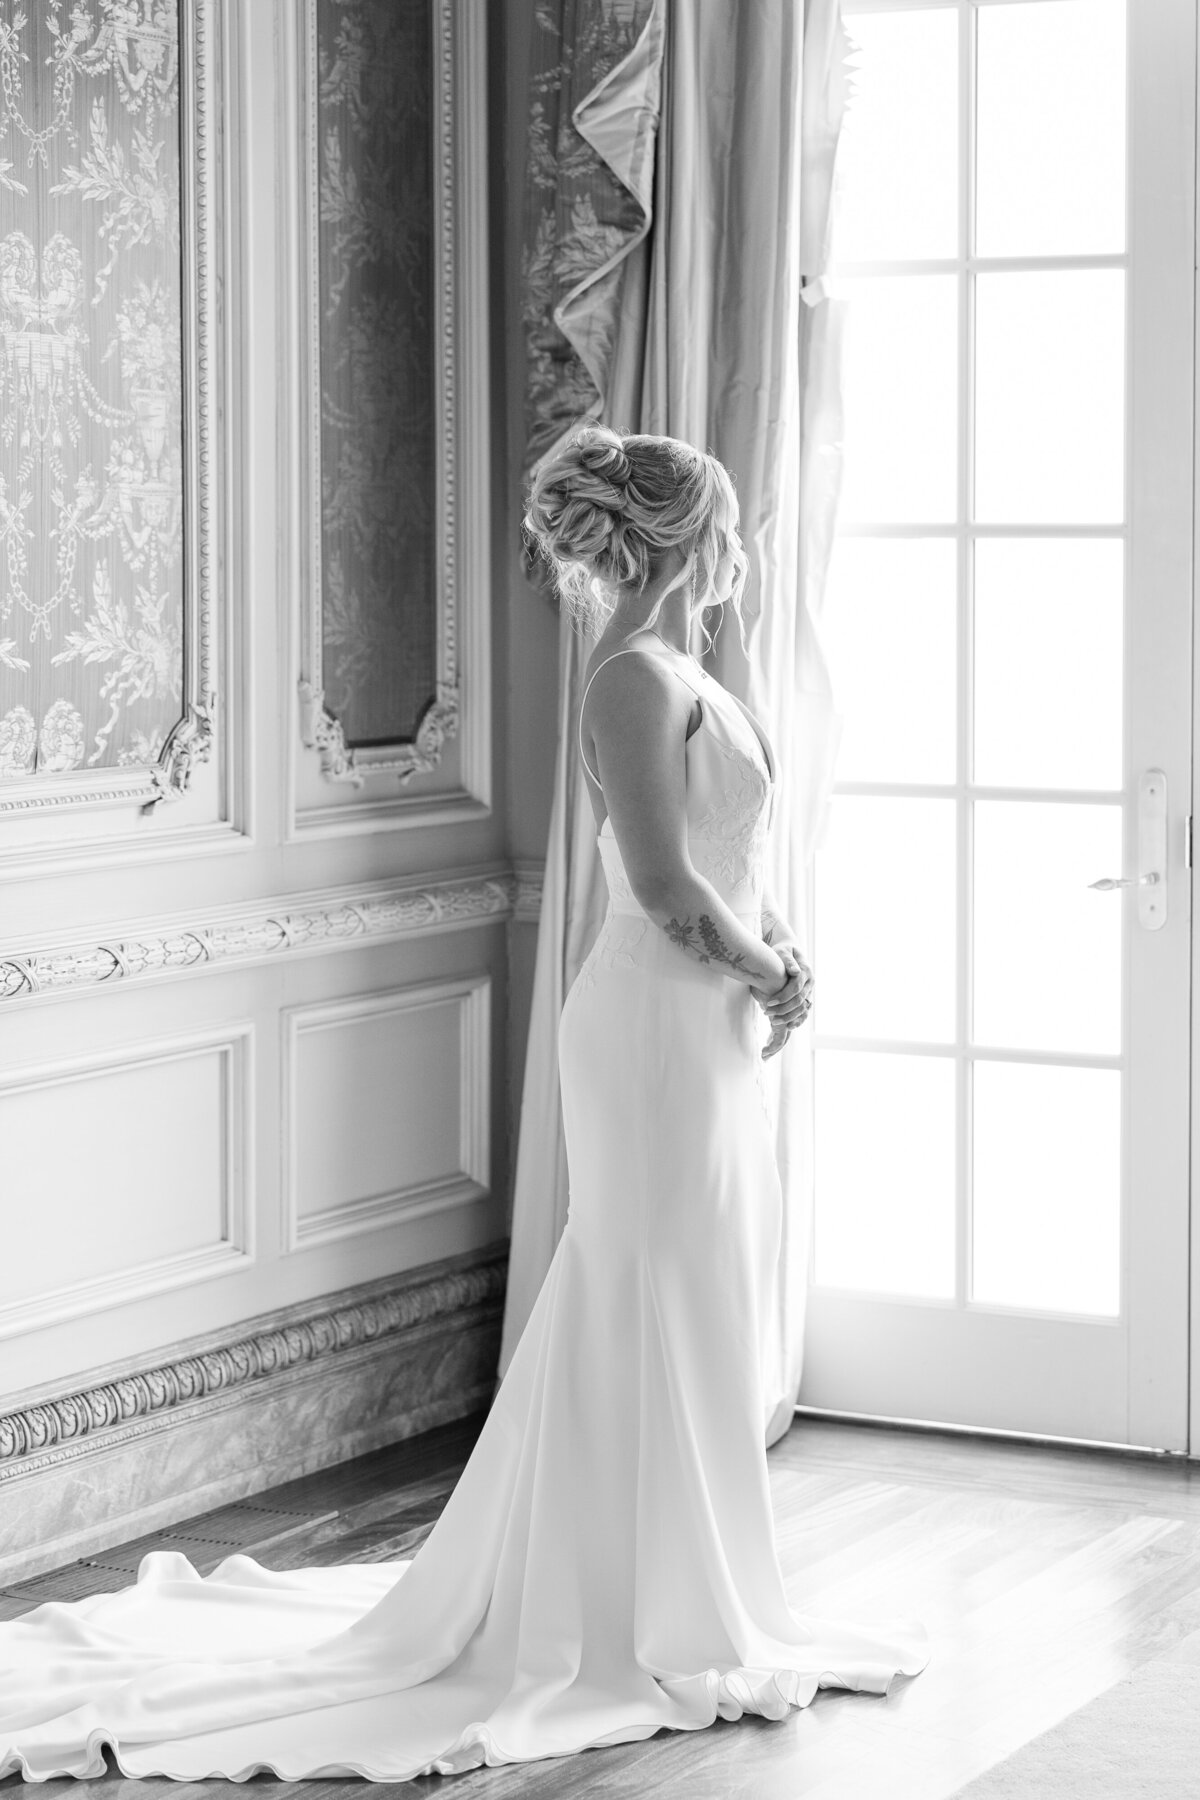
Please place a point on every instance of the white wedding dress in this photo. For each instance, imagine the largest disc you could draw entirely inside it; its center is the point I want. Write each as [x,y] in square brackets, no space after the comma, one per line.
[605,1567]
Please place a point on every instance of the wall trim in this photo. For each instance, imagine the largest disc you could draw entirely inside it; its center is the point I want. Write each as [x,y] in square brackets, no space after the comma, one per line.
[230,1253]
[462,1186]
[299,924]
[134,1398]
[162,1437]
[461,703]
[529,879]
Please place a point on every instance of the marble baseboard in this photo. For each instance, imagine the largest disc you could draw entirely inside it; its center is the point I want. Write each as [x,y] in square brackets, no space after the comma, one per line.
[217,1419]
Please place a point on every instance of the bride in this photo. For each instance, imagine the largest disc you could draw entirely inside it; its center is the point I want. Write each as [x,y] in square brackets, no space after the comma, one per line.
[605,1566]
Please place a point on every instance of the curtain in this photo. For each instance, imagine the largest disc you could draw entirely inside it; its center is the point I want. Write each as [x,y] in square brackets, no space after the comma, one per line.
[715,344]
[594,105]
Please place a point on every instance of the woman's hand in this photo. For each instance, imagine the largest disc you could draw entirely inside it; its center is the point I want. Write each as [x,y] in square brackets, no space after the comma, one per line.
[788,1006]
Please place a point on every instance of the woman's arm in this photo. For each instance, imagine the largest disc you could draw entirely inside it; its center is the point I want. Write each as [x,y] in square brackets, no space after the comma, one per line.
[790,1006]
[638,714]
[775,928]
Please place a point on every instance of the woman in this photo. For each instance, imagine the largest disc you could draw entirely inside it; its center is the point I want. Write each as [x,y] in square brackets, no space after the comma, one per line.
[605,1566]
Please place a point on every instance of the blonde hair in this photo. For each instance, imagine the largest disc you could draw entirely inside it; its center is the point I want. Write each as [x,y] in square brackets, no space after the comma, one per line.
[605,507]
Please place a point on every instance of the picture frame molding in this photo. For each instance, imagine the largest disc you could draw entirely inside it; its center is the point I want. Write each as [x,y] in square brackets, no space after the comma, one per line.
[459,704]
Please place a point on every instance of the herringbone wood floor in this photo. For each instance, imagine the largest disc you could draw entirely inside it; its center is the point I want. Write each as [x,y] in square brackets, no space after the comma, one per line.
[1043,1575]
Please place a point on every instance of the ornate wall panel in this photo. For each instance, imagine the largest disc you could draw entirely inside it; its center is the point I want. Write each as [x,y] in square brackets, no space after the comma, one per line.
[106,666]
[378,437]
[126,1175]
[387,1101]
[393,641]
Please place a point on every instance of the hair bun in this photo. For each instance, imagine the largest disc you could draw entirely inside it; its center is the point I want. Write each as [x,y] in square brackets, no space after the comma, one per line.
[602,453]
[605,507]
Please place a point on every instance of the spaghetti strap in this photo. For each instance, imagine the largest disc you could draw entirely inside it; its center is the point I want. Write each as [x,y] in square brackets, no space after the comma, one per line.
[631,650]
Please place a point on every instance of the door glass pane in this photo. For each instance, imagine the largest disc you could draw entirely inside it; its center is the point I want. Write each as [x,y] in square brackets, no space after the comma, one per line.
[1050,143]
[888,625]
[1048,662]
[1046,1214]
[884,920]
[901,388]
[897,161]
[884,1173]
[1047,947]
[1049,397]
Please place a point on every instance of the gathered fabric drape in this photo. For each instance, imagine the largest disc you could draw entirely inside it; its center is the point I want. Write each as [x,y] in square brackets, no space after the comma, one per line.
[721,334]
[595,68]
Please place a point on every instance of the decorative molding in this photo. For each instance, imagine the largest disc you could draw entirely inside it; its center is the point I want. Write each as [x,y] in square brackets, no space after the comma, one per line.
[304,923]
[460,1186]
[459,706]
[530,879]
[141,1397]
[319,729]
[232,1251]
[189,743]
[191,740]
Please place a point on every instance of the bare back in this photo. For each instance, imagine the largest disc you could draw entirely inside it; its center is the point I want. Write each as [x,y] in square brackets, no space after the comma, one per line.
[604,704]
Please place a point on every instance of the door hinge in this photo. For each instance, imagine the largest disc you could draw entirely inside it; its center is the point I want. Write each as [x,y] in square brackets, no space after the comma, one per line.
[1187,853]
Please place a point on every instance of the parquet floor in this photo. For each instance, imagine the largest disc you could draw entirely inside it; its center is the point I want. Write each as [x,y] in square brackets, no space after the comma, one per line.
[1043,1575]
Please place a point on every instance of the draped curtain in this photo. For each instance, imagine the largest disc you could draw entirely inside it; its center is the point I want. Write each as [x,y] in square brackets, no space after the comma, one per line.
[716,330]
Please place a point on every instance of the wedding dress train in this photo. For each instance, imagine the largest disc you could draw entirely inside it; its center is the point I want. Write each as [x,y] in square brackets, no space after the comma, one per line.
[605,1566]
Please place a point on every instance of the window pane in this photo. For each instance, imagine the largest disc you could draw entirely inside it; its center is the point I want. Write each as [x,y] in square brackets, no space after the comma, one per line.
[1048,662]
[888,623]
[1047,948]
[884,920]
[897,193]
[1046,1210]
[901,398]
[1050,87]
[884,1173]
[1049,397]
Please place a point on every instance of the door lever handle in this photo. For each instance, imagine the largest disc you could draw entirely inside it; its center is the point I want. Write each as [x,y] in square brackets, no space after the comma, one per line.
[1150,880]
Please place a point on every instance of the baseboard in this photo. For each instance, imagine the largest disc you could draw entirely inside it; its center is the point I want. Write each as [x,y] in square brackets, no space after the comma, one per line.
[148,1442]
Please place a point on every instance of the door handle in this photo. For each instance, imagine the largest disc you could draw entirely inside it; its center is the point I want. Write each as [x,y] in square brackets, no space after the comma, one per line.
[1150,880]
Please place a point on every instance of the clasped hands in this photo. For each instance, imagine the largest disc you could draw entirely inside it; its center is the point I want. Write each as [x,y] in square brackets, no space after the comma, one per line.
[787,1007]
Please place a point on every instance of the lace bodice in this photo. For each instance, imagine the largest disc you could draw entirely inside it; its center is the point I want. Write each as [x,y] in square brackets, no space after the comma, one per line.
[730,798]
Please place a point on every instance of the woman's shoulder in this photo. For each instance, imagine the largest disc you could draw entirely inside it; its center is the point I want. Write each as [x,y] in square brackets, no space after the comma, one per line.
[636,666]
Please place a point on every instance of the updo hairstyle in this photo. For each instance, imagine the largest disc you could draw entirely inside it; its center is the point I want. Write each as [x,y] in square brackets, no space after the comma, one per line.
[606,506]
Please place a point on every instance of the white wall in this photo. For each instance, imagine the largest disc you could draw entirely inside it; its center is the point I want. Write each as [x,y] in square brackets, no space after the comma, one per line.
[184,1151]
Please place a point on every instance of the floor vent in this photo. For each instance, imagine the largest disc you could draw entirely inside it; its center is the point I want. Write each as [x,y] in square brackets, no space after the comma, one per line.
[205,1542]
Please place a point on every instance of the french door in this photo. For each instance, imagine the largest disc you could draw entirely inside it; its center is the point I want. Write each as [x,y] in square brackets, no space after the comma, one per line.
[1002,901]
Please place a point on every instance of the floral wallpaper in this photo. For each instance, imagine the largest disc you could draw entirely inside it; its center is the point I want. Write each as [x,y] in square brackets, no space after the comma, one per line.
[91,496]
[582,217]
[378,365]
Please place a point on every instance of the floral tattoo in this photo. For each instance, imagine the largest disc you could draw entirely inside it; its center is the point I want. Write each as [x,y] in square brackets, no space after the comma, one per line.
[704,941]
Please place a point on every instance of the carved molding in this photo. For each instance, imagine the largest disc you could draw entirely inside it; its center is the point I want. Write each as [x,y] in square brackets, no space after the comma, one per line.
[191,740]
[134,1400]
[305,923]
[189,743]
[459,705]
[320,730]
[529,878]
